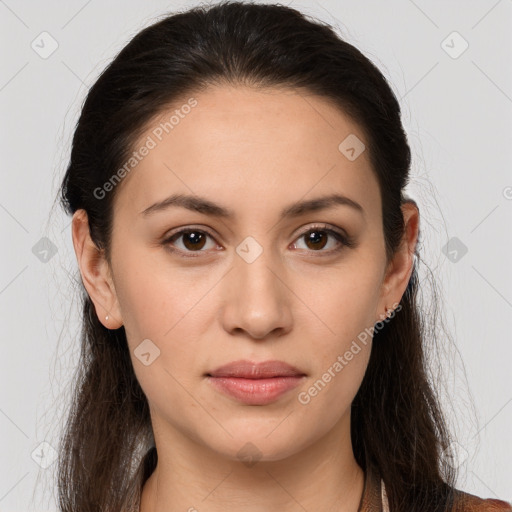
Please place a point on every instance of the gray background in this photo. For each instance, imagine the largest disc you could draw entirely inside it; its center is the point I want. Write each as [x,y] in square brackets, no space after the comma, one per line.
[457,111]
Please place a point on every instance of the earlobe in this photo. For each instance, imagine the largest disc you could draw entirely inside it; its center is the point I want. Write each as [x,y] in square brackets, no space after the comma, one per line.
[95,272]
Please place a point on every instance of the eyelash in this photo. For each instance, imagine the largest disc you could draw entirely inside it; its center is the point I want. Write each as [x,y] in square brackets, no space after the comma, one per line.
[344,241]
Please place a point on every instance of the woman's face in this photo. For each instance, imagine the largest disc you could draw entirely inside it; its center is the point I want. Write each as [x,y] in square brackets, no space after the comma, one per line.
[254,285]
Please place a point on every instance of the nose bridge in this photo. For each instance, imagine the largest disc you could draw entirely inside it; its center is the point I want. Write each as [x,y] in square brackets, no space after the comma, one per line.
[257,302]
[256,268]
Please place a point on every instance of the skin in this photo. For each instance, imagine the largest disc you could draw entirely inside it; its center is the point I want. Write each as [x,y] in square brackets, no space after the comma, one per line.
[254,151]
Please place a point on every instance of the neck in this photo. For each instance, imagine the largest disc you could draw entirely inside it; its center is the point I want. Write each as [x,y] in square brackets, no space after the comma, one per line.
[323,476]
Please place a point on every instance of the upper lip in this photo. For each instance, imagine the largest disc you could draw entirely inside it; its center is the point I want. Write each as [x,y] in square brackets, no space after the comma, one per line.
[253,370]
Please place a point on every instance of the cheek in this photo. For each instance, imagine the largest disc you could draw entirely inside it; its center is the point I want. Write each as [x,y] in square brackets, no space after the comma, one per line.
[342,345]
[166,309]
[343,304]
[154,303]
[333,385]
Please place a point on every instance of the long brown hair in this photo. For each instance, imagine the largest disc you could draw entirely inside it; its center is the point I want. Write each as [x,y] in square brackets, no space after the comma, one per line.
[107,449]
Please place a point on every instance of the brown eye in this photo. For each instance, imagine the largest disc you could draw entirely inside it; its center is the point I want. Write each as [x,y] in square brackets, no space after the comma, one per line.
[192,240]
[317,238]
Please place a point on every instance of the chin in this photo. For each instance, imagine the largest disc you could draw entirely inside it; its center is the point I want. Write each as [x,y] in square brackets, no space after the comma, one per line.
[260,444]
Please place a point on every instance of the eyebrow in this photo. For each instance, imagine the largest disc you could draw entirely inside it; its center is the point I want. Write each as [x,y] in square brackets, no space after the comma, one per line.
[207,207]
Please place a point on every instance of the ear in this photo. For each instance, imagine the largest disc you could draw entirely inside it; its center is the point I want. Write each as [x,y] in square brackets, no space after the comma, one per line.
[400,268]
[95,271]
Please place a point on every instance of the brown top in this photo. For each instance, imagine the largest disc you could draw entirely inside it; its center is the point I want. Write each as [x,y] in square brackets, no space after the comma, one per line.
[374,498]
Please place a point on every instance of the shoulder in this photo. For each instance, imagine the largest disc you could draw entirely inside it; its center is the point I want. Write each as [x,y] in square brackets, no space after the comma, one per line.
[466,502]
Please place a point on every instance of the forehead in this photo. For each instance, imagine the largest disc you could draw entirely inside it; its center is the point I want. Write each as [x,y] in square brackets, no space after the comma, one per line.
[243,146]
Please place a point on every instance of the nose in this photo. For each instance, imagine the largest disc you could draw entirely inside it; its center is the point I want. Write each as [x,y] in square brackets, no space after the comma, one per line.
[257,298]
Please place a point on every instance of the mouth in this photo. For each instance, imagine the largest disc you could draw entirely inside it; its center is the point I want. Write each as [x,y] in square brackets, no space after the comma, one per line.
[255,383]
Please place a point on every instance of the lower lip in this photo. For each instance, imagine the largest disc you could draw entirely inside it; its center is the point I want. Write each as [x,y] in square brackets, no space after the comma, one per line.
[255,391]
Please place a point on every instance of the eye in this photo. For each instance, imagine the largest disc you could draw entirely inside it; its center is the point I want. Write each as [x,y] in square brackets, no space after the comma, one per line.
[193,240]
[317,237]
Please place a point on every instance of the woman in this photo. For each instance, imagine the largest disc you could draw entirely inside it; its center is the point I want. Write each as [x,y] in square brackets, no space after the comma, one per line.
[251,336]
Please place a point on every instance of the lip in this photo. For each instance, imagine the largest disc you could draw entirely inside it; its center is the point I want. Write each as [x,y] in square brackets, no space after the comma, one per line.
[252,370]
[255,383]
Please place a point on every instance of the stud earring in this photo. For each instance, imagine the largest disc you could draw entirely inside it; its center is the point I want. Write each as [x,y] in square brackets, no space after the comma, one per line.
[106,318]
